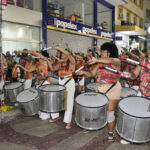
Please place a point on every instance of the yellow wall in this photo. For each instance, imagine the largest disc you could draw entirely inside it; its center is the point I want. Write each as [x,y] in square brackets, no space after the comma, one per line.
[146,6]
[133,9]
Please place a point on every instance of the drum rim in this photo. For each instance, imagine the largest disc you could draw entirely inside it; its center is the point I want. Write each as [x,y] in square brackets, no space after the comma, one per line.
[16,87]
[52,91]
[130,114]
[26,90]
[127,88]
[89,106]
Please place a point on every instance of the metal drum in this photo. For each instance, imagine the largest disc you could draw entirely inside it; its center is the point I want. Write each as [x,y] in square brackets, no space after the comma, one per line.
[133,122]
[52,97]
[91,110]
[125,92]
[12,90]
[91,87]
[29,102]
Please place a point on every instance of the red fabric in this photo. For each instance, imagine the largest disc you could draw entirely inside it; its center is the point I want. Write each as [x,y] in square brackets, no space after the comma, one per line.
[106,77]
[145,79]
[131,68]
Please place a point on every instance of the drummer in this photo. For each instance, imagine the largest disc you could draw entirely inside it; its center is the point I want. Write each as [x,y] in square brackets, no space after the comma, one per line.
[27,76]
[107,80]
[134,55]
[80,80]
[41,68]
[144,74]
[67,67]
[3,68]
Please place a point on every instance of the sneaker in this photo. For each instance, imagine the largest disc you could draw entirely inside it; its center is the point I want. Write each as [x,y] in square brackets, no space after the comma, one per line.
[122,141]
[54,119]
[69,125]
[110,136]
[44,116]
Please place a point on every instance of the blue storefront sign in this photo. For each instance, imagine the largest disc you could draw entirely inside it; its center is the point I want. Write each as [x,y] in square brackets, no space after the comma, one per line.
[78,27]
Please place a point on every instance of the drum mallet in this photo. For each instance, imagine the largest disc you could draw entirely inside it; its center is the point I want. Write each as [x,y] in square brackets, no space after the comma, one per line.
[113,70]
[133,62]
[70,75]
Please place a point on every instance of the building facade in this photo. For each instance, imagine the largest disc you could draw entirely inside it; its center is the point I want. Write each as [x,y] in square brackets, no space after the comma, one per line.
[129,20]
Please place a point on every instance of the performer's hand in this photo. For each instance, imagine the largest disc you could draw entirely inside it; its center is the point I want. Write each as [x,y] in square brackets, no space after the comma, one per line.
[124,50]
[126,74]
[92,61]
[17,65]
[80,73]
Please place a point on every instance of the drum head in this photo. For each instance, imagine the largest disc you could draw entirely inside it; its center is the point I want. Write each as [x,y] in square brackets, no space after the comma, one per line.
[13,85]
[91,99]
[92,86]
[52,88]
[125,92]
[27,95]
[135,106]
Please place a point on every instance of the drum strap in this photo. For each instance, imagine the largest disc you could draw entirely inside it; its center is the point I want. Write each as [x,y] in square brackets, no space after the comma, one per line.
[110,88]
[67,81]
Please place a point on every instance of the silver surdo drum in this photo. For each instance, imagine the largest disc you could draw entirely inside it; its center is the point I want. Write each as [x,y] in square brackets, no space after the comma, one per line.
[52,97]
[29,102]
[12,90]
[125,92]
[91,87]
[133,123]
[91,110]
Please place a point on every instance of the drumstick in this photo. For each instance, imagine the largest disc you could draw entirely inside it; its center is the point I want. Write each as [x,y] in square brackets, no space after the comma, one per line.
[113,70]
[132,62]
[70,75]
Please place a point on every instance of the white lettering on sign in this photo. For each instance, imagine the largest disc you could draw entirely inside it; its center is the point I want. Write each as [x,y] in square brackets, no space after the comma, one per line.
[64,24]
[89,30]
[106,34]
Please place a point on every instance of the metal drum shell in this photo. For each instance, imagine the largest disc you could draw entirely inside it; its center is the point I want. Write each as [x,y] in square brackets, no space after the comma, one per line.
[128,90]
[52,101]
[91,89]
[91,118]
[30,108]
[11,94]
[131,128]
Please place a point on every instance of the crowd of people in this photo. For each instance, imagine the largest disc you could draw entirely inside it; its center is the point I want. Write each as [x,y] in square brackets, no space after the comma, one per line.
[37,65]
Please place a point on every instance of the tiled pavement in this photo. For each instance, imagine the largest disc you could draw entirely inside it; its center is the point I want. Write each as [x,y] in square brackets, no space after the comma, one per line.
[30,133]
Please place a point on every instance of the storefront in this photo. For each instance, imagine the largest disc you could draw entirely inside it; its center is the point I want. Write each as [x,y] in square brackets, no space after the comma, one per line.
[20,29]
[18,36]
[95,26]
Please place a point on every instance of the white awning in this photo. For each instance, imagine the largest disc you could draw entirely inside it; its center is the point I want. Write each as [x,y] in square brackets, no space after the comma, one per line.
[117,2]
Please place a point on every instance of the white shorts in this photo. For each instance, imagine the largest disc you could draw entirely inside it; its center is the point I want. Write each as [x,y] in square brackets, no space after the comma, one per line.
[81,82]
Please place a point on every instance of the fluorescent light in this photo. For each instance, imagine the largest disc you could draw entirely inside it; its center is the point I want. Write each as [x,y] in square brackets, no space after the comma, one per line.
[148,29]
[130,32]
[142,37]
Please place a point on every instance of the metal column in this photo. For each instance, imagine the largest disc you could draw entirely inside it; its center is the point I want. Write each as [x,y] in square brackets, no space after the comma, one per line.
[95,21]
[1,27]
[44,21]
